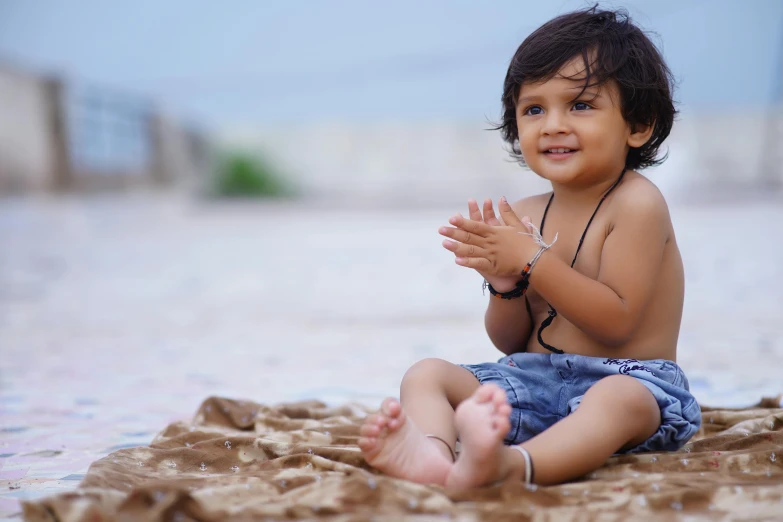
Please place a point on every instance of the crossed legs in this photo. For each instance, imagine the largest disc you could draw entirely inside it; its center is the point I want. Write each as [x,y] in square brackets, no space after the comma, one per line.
[445,400]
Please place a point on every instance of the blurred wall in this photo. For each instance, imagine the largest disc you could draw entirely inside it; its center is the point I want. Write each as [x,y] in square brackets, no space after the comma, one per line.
[55,136]
[710,155]
[184,158]
[409,164]
[731,153]
[26,142]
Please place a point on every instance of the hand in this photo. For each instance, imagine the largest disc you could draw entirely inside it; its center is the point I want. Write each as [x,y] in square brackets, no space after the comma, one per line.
[501,284]
[500,250]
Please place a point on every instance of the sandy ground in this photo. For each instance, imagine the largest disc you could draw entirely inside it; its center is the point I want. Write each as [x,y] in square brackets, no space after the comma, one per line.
[120,315]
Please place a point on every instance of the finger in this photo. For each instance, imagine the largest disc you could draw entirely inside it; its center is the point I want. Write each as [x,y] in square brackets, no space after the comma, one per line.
[473,210]
[462,250]
[479,263]
[474,227]
[462,236]
[510,217]
[489,214]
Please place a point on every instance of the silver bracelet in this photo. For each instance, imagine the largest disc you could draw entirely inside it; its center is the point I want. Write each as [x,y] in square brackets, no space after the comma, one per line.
[543,247]
[528,463]
[538,254]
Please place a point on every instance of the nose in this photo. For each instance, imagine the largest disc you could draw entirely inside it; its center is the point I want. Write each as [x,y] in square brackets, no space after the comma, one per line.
[555,122]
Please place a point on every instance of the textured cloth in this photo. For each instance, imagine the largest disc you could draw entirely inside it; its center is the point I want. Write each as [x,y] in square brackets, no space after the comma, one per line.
[245,461]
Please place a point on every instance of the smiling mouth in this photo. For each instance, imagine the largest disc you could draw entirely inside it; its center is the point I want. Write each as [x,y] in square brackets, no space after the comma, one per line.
[559,151]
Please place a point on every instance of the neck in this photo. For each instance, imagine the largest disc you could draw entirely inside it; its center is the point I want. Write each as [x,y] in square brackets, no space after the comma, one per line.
[583,195]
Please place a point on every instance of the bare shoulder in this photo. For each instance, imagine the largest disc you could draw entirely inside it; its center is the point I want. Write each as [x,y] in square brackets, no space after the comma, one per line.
[638,198]
[532,206]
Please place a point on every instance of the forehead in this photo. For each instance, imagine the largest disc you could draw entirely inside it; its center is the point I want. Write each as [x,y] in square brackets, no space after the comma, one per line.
[568,81]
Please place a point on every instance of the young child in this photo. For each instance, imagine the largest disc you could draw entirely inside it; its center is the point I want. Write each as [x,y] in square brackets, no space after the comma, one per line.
[588,312]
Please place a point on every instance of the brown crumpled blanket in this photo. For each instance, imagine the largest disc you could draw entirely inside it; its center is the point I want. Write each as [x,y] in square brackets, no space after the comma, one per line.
[240,460]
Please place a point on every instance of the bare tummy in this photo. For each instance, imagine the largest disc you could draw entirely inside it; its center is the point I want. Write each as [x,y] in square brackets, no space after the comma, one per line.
[657,333]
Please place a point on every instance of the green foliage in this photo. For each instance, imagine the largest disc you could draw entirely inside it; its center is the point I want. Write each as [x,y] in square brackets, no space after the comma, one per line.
[241,174]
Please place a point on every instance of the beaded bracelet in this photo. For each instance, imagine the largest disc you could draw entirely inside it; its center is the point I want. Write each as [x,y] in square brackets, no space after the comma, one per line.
[518,291]
[521,287]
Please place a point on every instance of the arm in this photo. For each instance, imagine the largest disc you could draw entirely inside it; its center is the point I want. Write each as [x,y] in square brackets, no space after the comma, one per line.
[508,324]
[610,308]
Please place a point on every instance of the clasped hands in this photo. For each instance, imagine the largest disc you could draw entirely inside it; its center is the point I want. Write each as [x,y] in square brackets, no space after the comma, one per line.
[498,250]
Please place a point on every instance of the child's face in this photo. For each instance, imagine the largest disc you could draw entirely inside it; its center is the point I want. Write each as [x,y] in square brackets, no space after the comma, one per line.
[591,127]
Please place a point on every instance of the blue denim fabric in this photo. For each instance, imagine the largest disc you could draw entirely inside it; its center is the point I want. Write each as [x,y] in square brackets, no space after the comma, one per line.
[544,388]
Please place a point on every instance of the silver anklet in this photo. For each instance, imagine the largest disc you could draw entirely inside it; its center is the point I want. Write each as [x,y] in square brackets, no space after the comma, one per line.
[453,455]
[528,463]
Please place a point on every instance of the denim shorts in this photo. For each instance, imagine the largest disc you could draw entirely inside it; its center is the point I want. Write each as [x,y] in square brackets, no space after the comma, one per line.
[544,388]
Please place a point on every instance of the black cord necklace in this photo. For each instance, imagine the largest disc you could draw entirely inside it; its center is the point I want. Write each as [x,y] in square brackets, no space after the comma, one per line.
[552,311]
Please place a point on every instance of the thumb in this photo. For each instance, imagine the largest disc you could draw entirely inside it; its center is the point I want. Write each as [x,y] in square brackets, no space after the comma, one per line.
[510,217]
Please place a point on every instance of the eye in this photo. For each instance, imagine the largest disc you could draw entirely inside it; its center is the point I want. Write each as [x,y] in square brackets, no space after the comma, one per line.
[581,106]
[535,110]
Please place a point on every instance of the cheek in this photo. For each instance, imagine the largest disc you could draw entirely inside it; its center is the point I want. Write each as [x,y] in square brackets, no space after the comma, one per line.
[608,133]
[527,139]
[598,138]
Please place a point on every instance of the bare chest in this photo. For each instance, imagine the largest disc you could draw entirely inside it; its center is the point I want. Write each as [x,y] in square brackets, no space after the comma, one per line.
[569,233]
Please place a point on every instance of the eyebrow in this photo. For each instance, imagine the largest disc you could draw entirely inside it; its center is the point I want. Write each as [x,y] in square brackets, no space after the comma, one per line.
[594,94]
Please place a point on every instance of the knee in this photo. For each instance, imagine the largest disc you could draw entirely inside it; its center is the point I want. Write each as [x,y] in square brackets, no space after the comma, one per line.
[426,372]
[625,395]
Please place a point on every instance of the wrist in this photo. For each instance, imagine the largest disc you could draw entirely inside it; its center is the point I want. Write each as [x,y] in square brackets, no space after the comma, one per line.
[520,288]
[503,285]
[535,251]
[526,259]
[515,286]
[539,266]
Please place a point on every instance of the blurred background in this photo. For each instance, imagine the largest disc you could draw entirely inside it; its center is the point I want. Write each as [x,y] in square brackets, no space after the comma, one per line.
[241,198]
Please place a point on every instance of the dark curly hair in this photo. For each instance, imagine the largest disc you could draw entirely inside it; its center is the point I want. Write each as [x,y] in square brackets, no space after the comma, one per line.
[612,48]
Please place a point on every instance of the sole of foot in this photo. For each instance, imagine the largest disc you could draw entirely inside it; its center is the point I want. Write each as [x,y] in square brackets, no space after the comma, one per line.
[482,423]
[393,444]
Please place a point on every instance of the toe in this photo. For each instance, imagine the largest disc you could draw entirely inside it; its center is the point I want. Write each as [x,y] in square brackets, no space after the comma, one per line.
[484,393]
[369,430]
[391,407]
[367,443]
[502,425]
[378,420]
[498,396]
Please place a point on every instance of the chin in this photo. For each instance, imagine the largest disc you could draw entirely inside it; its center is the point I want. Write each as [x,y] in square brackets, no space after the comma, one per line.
[560,174]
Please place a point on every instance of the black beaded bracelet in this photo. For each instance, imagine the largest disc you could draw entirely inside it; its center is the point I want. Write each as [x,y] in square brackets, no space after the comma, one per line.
[518,291]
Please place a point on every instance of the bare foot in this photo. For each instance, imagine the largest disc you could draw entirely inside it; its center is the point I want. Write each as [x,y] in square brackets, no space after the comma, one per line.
[482,423]
[393,444]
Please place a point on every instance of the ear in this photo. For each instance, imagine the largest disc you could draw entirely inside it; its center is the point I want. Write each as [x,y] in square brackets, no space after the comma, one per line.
[640,134]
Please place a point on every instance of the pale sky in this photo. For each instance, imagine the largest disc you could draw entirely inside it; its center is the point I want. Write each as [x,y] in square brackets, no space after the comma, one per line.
[255,61]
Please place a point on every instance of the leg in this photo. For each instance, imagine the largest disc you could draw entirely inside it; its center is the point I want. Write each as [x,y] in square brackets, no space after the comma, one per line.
[615,413]
[430,392]
[396,444]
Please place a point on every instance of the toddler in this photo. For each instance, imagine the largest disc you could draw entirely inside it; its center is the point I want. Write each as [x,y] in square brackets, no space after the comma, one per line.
[585,282]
